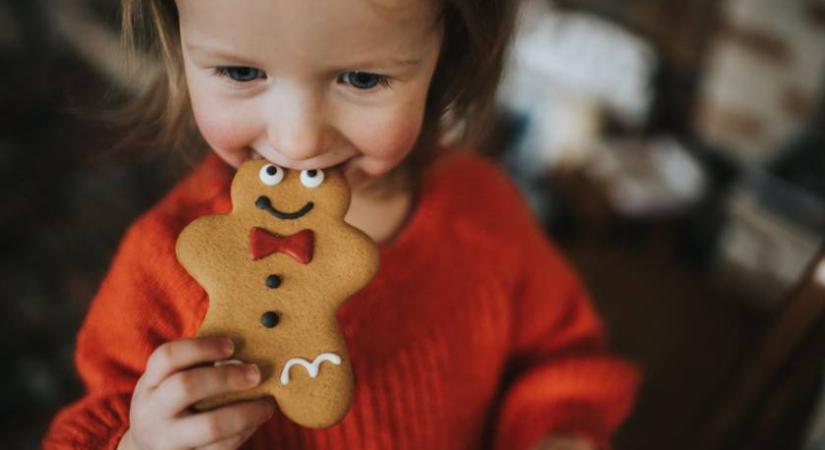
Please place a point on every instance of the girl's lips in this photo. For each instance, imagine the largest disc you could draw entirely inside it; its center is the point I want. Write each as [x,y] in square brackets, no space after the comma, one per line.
[343,165]
[254,155]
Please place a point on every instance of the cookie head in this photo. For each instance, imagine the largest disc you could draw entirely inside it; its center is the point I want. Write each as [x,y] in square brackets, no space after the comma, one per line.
[273,193]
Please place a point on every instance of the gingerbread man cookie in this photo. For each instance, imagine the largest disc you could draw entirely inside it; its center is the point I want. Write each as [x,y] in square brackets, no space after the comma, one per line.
[276,269]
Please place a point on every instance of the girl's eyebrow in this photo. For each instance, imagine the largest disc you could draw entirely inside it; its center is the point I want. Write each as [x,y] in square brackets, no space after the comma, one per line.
[215,52]
[392,62]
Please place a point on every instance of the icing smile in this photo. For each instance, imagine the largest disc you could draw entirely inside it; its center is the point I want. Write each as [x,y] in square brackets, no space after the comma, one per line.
[264,203]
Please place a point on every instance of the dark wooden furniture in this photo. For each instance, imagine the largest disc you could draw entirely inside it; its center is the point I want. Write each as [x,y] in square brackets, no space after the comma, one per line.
[766,405]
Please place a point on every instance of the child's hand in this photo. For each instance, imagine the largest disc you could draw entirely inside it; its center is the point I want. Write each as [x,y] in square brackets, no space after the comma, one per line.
[557,442]
[160,416]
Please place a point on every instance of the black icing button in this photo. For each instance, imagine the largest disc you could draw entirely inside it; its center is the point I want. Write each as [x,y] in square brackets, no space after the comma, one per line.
[270,318]
[273,281]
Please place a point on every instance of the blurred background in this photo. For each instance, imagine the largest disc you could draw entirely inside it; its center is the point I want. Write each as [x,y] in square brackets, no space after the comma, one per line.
[674,150]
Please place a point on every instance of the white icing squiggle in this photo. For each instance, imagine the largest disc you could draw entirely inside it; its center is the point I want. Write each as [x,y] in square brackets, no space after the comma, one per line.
[312,367]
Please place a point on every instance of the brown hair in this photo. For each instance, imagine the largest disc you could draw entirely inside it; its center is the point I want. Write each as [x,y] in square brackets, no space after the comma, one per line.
[476,34]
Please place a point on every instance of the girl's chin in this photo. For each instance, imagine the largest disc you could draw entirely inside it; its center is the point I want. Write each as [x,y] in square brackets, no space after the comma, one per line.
[354,174]
[362,181]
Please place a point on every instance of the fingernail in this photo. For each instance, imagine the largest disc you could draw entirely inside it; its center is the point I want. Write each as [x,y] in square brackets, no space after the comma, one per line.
[252,374]
[228,347]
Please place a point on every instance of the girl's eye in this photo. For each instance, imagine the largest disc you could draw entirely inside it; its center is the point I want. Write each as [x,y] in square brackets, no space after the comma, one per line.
[364,80]
[312,178]
[240,74]
[271,175]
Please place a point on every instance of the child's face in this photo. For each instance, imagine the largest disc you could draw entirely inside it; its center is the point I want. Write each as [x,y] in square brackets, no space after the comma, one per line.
[309,84]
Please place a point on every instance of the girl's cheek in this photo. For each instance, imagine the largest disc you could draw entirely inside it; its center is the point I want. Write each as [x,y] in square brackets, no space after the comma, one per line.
[387,140]
[393,142]
[223,130]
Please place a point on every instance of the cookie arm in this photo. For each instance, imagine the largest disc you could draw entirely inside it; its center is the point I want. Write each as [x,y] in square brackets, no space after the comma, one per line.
[132,313]
[564,381]
[362,263]
[192,245]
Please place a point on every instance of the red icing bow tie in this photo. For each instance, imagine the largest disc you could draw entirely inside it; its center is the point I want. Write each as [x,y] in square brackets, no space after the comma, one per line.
[299,246]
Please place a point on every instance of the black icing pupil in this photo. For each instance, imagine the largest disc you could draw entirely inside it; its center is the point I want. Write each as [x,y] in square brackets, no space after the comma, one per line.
[270,318]
[312,173]
[271,171]
[273,281]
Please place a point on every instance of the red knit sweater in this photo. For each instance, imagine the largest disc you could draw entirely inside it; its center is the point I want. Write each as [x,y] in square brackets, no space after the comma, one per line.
[474,334]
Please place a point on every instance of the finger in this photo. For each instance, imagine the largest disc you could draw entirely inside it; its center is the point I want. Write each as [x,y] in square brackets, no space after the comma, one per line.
[232,443]
[565,443]
[184,388]
[177,355]
[210,427]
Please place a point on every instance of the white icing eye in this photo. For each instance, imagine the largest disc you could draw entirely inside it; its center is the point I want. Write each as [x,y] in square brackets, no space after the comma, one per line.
[271,175]
[312,178]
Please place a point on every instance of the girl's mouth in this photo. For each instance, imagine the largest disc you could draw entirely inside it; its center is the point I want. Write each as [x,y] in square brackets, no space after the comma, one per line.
[343,165]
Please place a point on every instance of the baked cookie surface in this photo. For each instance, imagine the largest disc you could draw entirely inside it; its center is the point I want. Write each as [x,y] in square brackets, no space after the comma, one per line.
[276,269]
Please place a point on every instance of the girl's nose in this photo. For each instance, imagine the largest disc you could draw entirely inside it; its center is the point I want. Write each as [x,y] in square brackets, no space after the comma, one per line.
[296,126]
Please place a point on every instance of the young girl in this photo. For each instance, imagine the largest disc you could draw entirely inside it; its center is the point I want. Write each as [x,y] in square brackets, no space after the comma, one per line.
[474,334]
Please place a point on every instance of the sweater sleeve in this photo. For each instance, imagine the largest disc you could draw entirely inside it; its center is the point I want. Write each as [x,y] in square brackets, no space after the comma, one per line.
[562,378]
[132,313]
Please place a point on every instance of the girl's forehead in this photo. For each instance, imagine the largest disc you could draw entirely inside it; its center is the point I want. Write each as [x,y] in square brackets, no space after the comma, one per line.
[309,25]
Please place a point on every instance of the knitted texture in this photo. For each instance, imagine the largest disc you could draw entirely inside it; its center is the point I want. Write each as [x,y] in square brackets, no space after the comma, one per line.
[474,334]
